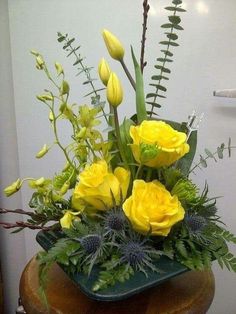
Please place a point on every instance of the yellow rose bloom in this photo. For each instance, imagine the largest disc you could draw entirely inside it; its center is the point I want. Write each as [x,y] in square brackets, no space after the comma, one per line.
[114,90]
[152,207]
[114,46]
[170,144]
[97,185]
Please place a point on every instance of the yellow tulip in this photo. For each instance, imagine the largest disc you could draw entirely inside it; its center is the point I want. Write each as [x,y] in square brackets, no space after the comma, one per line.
[104,71]
[99,187]
[151,208]
[114,46]
[114,91]
[164,145]
[68,218]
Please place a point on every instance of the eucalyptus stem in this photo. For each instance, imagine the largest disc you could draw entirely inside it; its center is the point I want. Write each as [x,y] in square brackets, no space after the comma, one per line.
[128,74]
[207,157]
[119,142]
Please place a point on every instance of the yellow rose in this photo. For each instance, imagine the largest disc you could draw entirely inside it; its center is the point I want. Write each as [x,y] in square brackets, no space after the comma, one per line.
[114,90]
[152,207]
[114,46]
[170,144]
[97,185]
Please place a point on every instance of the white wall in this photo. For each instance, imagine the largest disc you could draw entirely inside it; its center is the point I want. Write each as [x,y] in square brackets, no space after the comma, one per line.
[204,62]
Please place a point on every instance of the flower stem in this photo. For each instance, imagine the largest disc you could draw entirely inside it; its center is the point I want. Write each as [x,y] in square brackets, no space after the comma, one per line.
[119,142]
[128,74]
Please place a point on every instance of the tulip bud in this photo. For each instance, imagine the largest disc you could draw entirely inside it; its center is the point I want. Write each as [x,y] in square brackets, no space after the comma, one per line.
[114,46]
[59,68]
[13,188]
[43,151]
[114,90]
[104,71]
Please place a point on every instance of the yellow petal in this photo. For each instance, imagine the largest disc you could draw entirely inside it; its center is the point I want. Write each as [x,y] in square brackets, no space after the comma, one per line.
[104,71]
[114,46]
[114,90]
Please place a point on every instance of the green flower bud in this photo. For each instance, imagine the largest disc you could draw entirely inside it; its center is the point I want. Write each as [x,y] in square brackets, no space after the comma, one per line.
[45,97]
[65,88]
[13,188]
[148,152]
[65,188]
[39,62]
[34,52]
[185,190]
[40,182]
[51,116]
[82,132]
[59,68]
[43,151]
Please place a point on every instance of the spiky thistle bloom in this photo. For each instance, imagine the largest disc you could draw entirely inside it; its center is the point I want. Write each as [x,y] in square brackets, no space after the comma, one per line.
[91,243]
[195,223]
[136,253]
[114,220]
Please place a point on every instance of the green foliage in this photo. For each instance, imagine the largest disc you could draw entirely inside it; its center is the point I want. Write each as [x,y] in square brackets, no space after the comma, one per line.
[219,153]
[172,26]
[111,276]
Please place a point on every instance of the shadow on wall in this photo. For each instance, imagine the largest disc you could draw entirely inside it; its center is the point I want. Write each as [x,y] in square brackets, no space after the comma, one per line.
[226,111]
[1,293]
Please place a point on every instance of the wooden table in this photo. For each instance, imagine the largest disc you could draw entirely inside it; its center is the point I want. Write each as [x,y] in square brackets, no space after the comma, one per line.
[191,292]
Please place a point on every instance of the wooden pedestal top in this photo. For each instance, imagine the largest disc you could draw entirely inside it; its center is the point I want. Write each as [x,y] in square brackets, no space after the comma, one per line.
[191,292]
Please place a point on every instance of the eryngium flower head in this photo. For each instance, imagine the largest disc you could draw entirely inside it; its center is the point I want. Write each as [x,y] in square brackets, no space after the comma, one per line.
[114,221]
[195,223]
[133,253]
[91,243]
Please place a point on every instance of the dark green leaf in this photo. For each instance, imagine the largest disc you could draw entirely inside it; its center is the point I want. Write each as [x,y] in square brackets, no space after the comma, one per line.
[163,69]
[175,9]
[153,104]
[172,36]
[177,2]
[203,162]
[160,87]
[180,28]
[229,147]
[159,77]
[209,154]
[68,43]
[220,152]
[61,38]
[184,164]
[167,53]
[154,95]
[167,25]
[174,19]
[169,43]
[164,60]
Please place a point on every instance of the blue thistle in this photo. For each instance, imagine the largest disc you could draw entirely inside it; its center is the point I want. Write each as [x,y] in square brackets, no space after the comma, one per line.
[195,223]
[114,221]
[91,243]
[136,253]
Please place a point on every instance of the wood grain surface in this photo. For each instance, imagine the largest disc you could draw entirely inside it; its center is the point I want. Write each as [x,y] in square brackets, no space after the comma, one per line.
[190,293]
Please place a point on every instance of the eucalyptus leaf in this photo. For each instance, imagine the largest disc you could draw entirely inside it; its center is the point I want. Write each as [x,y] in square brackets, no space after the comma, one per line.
[174,19]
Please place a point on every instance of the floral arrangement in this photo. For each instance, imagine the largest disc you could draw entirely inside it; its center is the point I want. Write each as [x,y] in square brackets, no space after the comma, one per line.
[124,196]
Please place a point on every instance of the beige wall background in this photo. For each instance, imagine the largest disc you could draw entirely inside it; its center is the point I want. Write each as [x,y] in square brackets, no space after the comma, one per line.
[205,61]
